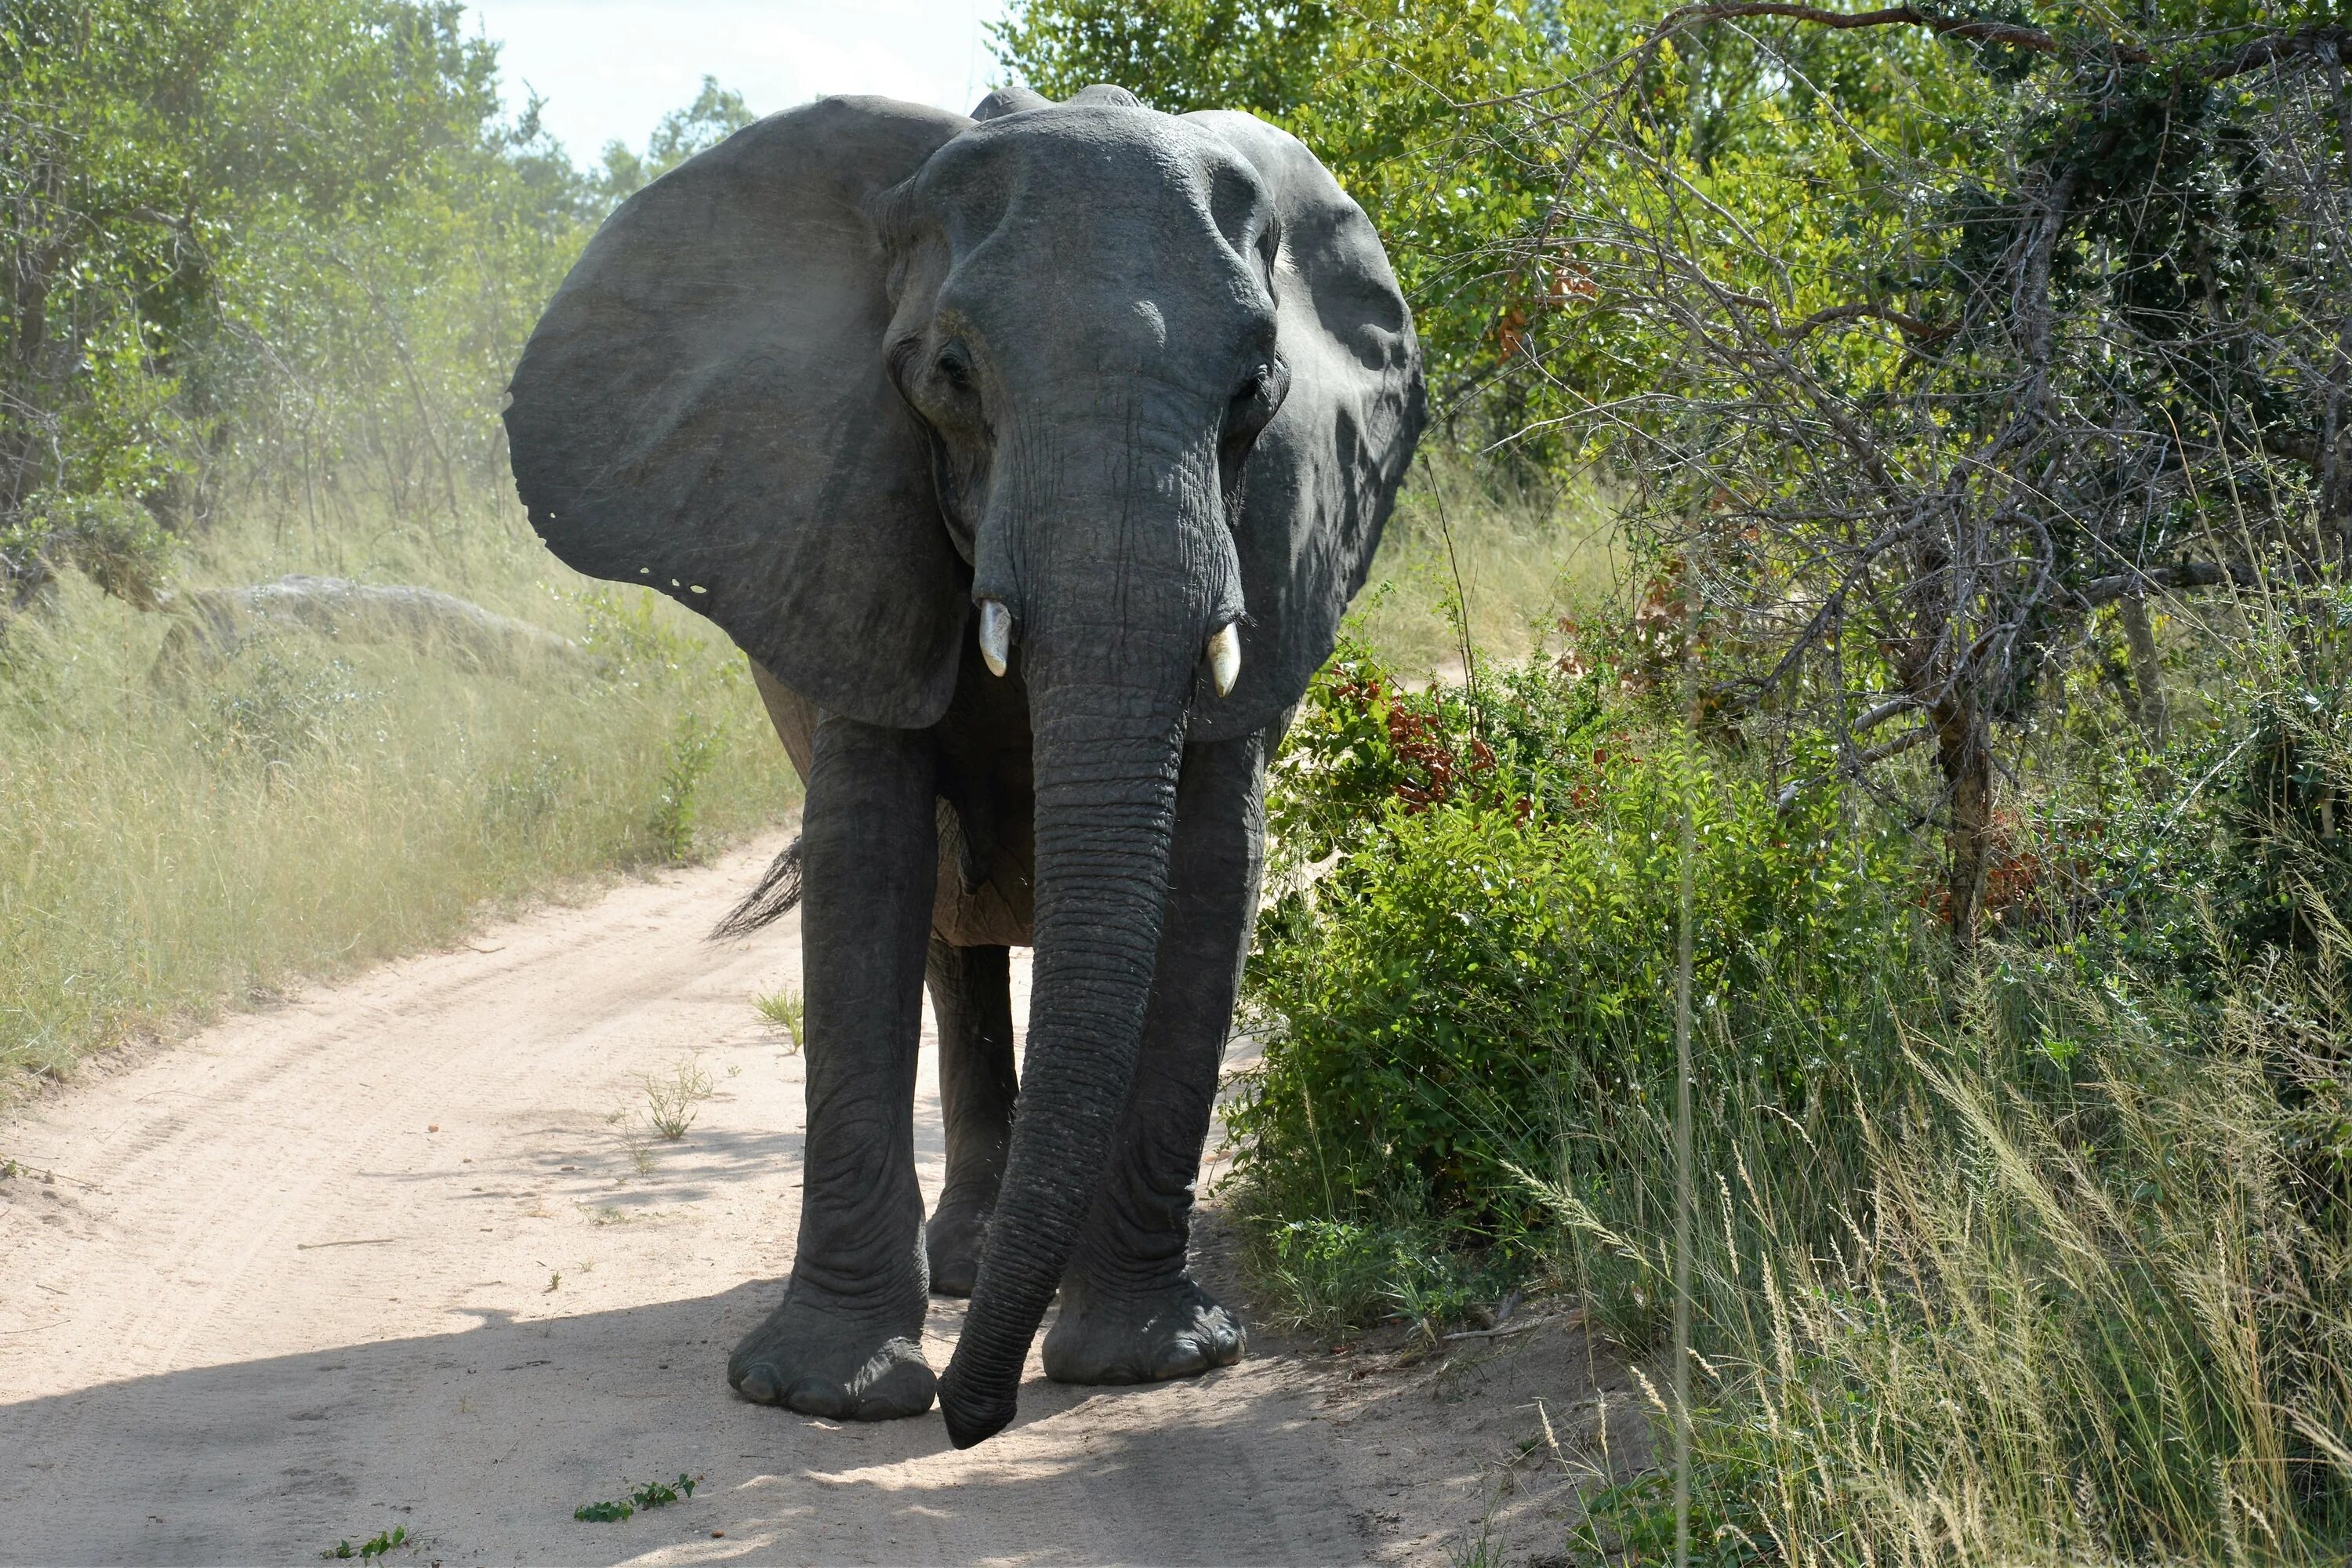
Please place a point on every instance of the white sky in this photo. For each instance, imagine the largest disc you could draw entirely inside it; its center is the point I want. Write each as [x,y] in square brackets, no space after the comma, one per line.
[610,69]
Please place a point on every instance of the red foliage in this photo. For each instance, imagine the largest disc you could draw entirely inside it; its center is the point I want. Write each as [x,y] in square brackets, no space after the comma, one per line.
[1419,742]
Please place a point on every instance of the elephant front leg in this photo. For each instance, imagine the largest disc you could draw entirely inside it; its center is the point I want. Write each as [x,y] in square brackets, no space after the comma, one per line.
[971,996]
[846,1342]
[1130,1311]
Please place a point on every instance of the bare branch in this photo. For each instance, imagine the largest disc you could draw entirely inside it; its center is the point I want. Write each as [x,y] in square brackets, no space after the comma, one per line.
[1978,29]
[1893,748]
[1926,332]
[2195,574]
[2312,43]
[1901,702]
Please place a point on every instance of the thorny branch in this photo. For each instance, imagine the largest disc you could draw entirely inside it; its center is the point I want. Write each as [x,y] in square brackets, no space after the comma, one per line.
[1977,29]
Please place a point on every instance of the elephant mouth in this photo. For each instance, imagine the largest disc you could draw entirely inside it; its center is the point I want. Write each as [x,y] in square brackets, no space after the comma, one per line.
[1221,654]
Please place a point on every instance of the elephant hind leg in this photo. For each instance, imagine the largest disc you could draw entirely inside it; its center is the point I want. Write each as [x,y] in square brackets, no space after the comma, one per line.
[971,997]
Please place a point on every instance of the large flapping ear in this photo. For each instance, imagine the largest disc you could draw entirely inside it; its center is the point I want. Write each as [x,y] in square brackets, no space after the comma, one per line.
[704,409]
[1324,475]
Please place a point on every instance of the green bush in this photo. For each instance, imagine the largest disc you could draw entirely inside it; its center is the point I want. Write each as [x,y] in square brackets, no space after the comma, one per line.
[2037,1253]
[1481,982]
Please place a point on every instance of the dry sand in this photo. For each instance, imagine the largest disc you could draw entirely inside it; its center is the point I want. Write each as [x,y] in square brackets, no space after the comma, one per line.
[382,1255]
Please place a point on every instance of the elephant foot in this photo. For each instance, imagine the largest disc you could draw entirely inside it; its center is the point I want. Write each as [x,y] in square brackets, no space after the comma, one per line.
[953,1240]
[843,1367]
[1180,1330]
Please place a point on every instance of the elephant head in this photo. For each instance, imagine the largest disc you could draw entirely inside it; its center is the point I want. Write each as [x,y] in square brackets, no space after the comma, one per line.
[1120,395]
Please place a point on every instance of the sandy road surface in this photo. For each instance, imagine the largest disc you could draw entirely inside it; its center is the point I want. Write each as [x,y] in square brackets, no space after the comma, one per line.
[264,1306]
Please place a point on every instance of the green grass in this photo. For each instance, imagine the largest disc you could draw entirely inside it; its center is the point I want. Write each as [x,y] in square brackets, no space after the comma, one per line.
[2096,1316]
[170,846]
[1521,553]
[785,1008]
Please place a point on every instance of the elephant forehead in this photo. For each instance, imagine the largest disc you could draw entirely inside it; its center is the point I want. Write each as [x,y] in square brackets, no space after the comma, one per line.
[1074,171]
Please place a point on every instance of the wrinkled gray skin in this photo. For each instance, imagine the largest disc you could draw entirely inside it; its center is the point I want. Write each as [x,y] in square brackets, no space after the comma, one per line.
[1137,377]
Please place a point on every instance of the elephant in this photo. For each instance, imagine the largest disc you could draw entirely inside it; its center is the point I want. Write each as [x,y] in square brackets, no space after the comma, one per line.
[1031,458]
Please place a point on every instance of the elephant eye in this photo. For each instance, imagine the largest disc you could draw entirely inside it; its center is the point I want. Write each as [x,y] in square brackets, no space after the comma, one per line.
[1257,397]
[955,367]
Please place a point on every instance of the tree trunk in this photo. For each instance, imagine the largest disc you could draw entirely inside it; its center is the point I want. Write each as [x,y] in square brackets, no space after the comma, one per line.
[2147,674]
[1964,753]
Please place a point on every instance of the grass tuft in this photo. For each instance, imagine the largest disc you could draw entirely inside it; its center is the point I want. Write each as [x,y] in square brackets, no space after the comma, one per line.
[785,1008]
[671,1098]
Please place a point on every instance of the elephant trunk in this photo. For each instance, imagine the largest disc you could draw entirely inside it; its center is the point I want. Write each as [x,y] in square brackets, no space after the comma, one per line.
[1112,556]
[1106,755]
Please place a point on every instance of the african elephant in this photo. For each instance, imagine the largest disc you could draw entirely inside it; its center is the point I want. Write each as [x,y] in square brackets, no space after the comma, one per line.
[1032,457]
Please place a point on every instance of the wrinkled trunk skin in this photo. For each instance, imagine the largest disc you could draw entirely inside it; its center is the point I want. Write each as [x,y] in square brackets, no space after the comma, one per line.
[1110,546]
[1106,759]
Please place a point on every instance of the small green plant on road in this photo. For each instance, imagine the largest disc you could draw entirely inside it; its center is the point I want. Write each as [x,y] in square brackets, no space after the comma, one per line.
[670,1101]
[652,1494]
[785,1007]
[383,1541]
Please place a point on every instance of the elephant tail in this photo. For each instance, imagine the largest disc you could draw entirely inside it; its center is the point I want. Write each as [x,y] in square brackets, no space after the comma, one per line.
[778,890]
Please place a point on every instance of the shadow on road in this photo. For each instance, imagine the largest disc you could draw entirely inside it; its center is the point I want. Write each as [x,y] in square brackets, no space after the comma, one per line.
[483,1441]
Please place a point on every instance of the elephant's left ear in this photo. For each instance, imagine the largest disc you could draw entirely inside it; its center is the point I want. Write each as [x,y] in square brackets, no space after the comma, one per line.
[1324,474]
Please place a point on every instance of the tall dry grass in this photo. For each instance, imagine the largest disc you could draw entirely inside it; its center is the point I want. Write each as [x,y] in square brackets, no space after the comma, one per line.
[174,840]
[1515,550]
[1988,1319]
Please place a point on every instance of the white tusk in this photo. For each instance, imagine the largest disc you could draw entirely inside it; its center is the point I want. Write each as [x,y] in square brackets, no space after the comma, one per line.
[1225,659]
[995,635]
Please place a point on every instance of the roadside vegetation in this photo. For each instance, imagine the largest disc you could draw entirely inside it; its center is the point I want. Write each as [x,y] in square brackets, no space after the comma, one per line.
[182,828]
[1963,392]
[267,269]
[2032,1253]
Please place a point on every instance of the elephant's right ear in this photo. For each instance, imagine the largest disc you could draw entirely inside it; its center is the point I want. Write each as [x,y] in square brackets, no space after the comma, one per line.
[704,409]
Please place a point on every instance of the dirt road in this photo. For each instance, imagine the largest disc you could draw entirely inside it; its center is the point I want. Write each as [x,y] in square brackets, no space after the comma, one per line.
[403,1253]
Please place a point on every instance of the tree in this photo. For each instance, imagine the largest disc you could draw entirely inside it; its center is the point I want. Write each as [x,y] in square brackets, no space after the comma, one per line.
[198,200]
[716,113]
[1910,395]
[1916,337]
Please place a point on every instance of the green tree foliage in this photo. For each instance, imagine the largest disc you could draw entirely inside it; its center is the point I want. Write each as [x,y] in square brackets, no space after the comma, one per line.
[294,235]
[716,113]
[1915,336]
[1917,380]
